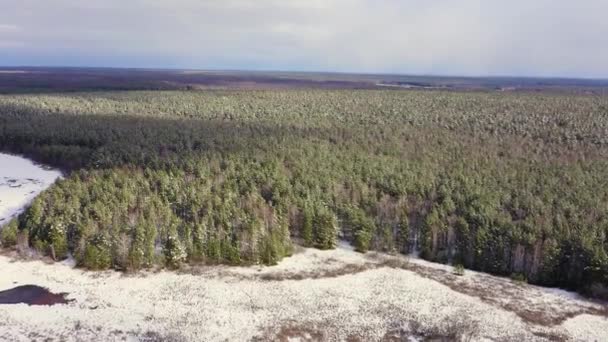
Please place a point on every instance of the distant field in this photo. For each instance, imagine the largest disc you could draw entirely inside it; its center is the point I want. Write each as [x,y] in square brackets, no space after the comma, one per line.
[33,80]
[514,184]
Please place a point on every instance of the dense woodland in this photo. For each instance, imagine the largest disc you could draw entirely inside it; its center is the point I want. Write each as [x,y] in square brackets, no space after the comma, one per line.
[512,184]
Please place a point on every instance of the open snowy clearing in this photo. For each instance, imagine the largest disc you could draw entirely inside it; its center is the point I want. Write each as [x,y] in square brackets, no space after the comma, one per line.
[20,182]
[313,295]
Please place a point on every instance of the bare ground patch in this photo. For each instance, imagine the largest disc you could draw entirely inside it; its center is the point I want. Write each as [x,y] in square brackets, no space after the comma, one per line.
[293,332]
[457,328]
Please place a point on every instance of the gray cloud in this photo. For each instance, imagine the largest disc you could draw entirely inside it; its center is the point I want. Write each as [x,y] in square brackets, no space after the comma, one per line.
[472,37]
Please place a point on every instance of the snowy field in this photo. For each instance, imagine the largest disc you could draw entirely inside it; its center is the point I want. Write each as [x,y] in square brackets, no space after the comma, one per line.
[336,295]
[20,181]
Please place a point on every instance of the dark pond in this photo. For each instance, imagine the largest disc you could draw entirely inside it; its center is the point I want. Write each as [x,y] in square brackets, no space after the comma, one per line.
[32,295]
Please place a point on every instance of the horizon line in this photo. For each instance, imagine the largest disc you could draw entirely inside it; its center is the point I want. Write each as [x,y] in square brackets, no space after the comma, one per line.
[329,72]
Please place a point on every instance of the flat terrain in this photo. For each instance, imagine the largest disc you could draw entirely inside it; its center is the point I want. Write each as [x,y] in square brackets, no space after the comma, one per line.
[313,295]
[35,80]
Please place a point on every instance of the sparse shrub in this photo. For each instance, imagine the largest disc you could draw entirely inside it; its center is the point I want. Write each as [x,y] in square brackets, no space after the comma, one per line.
[8,234]
[230,253]
[362,240]
[307,227]
[58,241]
[403,237]
[458,270]
[519,277]
[174,252]
[121,249]
[326,230]
[270,255]
[40,246]
[97,254]
[362,226]
[153,336]
[137,254]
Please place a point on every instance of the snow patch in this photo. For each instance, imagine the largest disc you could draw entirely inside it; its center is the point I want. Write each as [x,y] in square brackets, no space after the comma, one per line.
[20,182]
[240,303]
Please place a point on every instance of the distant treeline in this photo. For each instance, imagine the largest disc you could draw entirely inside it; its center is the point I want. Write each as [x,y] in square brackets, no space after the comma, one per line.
[37,80]
[512,184]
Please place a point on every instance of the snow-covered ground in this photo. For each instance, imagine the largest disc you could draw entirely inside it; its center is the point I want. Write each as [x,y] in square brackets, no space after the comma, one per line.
[313,295]
[21,181]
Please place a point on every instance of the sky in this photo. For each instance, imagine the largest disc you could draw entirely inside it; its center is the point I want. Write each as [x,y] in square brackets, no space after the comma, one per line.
[553,38]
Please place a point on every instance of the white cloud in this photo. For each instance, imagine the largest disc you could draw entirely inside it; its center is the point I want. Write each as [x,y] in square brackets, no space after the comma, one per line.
[541,37]
[5,28]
